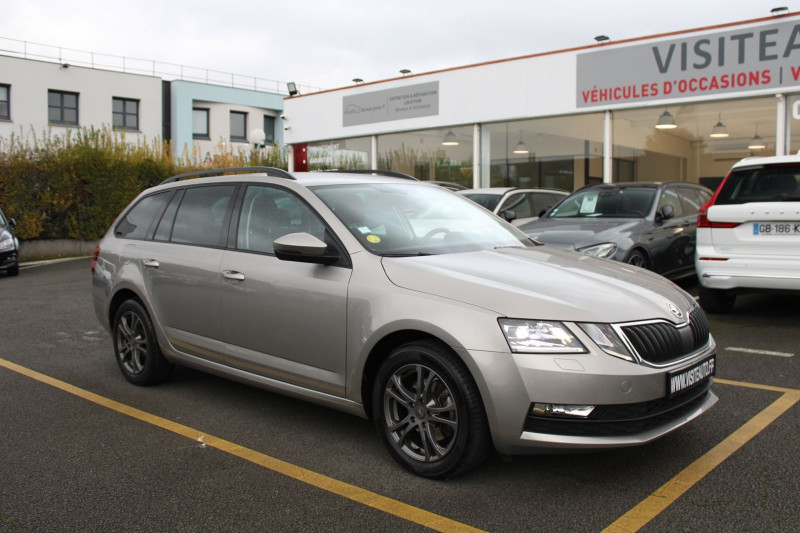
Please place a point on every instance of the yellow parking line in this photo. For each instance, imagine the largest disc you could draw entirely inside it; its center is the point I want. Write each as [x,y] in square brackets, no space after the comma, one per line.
[657,502]
[351,492]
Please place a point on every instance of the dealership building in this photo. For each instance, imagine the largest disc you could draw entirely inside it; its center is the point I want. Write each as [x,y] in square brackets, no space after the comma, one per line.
[680,106]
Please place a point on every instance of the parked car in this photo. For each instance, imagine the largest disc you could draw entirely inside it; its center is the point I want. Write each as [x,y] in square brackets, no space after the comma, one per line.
[404,303]
[9,246]
[515,204]
[649,225]
[748,234]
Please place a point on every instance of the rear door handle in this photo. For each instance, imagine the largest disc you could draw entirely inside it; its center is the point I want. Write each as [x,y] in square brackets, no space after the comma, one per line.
[233,275]
[152,263]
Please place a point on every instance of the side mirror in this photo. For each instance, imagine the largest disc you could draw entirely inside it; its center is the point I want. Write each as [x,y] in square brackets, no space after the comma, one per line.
[665,213]
[12,223]
[303,248]
[508,214]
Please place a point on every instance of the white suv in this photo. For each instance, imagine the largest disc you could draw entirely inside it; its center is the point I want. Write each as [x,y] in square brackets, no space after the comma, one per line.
[748,234]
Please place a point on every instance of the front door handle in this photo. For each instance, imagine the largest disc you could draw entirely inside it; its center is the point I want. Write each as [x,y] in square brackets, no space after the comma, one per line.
[233,275]
[152,263]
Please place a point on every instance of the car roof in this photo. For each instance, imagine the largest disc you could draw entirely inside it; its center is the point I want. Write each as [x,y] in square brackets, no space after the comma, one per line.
[306,179]
[770,160]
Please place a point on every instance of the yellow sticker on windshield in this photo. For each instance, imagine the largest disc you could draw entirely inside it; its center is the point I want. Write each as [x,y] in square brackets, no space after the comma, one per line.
[374,239]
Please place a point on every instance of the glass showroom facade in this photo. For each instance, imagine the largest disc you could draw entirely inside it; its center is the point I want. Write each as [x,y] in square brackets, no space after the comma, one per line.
[567,152]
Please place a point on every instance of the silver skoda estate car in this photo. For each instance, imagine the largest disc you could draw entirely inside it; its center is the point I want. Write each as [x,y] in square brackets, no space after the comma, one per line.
[402,302]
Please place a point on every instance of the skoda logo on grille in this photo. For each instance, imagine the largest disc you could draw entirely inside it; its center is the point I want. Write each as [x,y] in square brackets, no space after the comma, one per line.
[674,310]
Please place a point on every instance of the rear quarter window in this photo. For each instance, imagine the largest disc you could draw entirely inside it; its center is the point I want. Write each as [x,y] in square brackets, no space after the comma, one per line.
[139,218]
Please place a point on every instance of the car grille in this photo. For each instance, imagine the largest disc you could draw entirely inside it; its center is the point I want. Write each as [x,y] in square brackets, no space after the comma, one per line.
[622,420]
[662,342]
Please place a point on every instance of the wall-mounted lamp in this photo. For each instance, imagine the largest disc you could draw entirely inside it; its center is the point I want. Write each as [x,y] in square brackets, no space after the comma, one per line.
[601,38]
[292,88]
[450,139]
[719,131]
[666,121]
[405,71]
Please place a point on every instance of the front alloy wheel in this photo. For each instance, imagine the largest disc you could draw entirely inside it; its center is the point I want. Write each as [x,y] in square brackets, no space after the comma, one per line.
[420,413]
[429,412]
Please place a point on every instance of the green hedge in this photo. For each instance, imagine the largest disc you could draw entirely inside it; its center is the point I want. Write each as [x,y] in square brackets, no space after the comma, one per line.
[72,186]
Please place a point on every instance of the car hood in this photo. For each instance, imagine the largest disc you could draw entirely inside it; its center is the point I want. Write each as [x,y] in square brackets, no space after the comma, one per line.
[542,283]
[579,232]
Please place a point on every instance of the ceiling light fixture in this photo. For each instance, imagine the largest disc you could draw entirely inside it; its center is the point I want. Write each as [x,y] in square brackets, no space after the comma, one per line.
[666,121]
[756,143]
[719,131]
[450,139]
[520,148]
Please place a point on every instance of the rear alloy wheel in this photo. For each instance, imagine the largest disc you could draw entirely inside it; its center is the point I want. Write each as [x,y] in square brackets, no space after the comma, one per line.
[428,411]
[716,300]
[136,347]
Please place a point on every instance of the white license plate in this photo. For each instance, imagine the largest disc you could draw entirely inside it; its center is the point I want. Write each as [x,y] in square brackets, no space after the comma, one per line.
[776,228]
[691,377]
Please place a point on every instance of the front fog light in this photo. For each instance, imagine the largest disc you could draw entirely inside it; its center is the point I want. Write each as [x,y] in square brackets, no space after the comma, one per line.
[562,410]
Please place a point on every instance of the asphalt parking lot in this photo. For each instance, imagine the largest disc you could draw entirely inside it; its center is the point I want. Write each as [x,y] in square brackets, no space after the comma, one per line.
[83,450]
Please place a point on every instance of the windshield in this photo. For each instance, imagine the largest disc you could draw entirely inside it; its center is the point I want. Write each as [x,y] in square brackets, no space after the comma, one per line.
[489,201]
[618,202]
[398,219]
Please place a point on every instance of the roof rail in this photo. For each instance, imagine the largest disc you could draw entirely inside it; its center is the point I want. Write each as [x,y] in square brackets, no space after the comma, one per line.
[270,171]
[377,172]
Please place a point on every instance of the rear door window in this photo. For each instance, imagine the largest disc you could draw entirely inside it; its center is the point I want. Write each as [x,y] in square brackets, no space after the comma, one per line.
[203,215]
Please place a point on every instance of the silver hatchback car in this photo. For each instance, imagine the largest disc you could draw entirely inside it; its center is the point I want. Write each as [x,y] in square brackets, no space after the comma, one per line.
[404,303]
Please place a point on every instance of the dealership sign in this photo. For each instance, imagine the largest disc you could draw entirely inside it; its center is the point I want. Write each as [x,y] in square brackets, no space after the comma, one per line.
[762,57]
[413,101]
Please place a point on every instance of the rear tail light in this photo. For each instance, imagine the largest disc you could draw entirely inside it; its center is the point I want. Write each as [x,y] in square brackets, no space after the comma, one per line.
[702,213]
[94,257]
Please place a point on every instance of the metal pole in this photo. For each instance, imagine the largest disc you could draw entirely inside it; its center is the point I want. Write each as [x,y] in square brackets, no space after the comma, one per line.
[608,148]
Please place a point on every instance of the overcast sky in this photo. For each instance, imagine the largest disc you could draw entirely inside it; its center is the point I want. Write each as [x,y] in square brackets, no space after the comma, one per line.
[327,43]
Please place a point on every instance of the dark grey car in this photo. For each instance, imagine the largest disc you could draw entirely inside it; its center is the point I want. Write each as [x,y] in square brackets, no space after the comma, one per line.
[9,246]
[651,225]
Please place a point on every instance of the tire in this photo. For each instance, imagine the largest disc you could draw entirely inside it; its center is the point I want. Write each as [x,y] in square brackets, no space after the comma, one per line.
[13,271]
[637,258]
[716,300]
[136,346]
[428,411]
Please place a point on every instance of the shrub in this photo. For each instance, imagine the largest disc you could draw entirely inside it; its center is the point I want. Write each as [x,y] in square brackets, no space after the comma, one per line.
[72,186]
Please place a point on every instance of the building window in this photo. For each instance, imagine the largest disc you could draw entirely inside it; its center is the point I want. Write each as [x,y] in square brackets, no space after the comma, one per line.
[238,126]
[200,123]
[62,108]
[125,113]
[269,130]
[5,102]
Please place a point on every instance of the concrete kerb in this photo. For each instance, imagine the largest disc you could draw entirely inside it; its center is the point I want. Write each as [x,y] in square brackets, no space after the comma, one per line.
[30,251]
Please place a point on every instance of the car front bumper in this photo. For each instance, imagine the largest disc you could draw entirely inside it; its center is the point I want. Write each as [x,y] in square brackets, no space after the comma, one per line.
[631,403]
[9,259]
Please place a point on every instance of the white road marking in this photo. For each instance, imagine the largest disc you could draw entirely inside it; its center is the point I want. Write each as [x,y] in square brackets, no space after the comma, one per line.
[758,352]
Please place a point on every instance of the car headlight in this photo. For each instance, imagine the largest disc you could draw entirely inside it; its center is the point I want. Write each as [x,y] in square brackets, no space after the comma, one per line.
[605,249]
[607,339]
[7,244]
[539,336]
